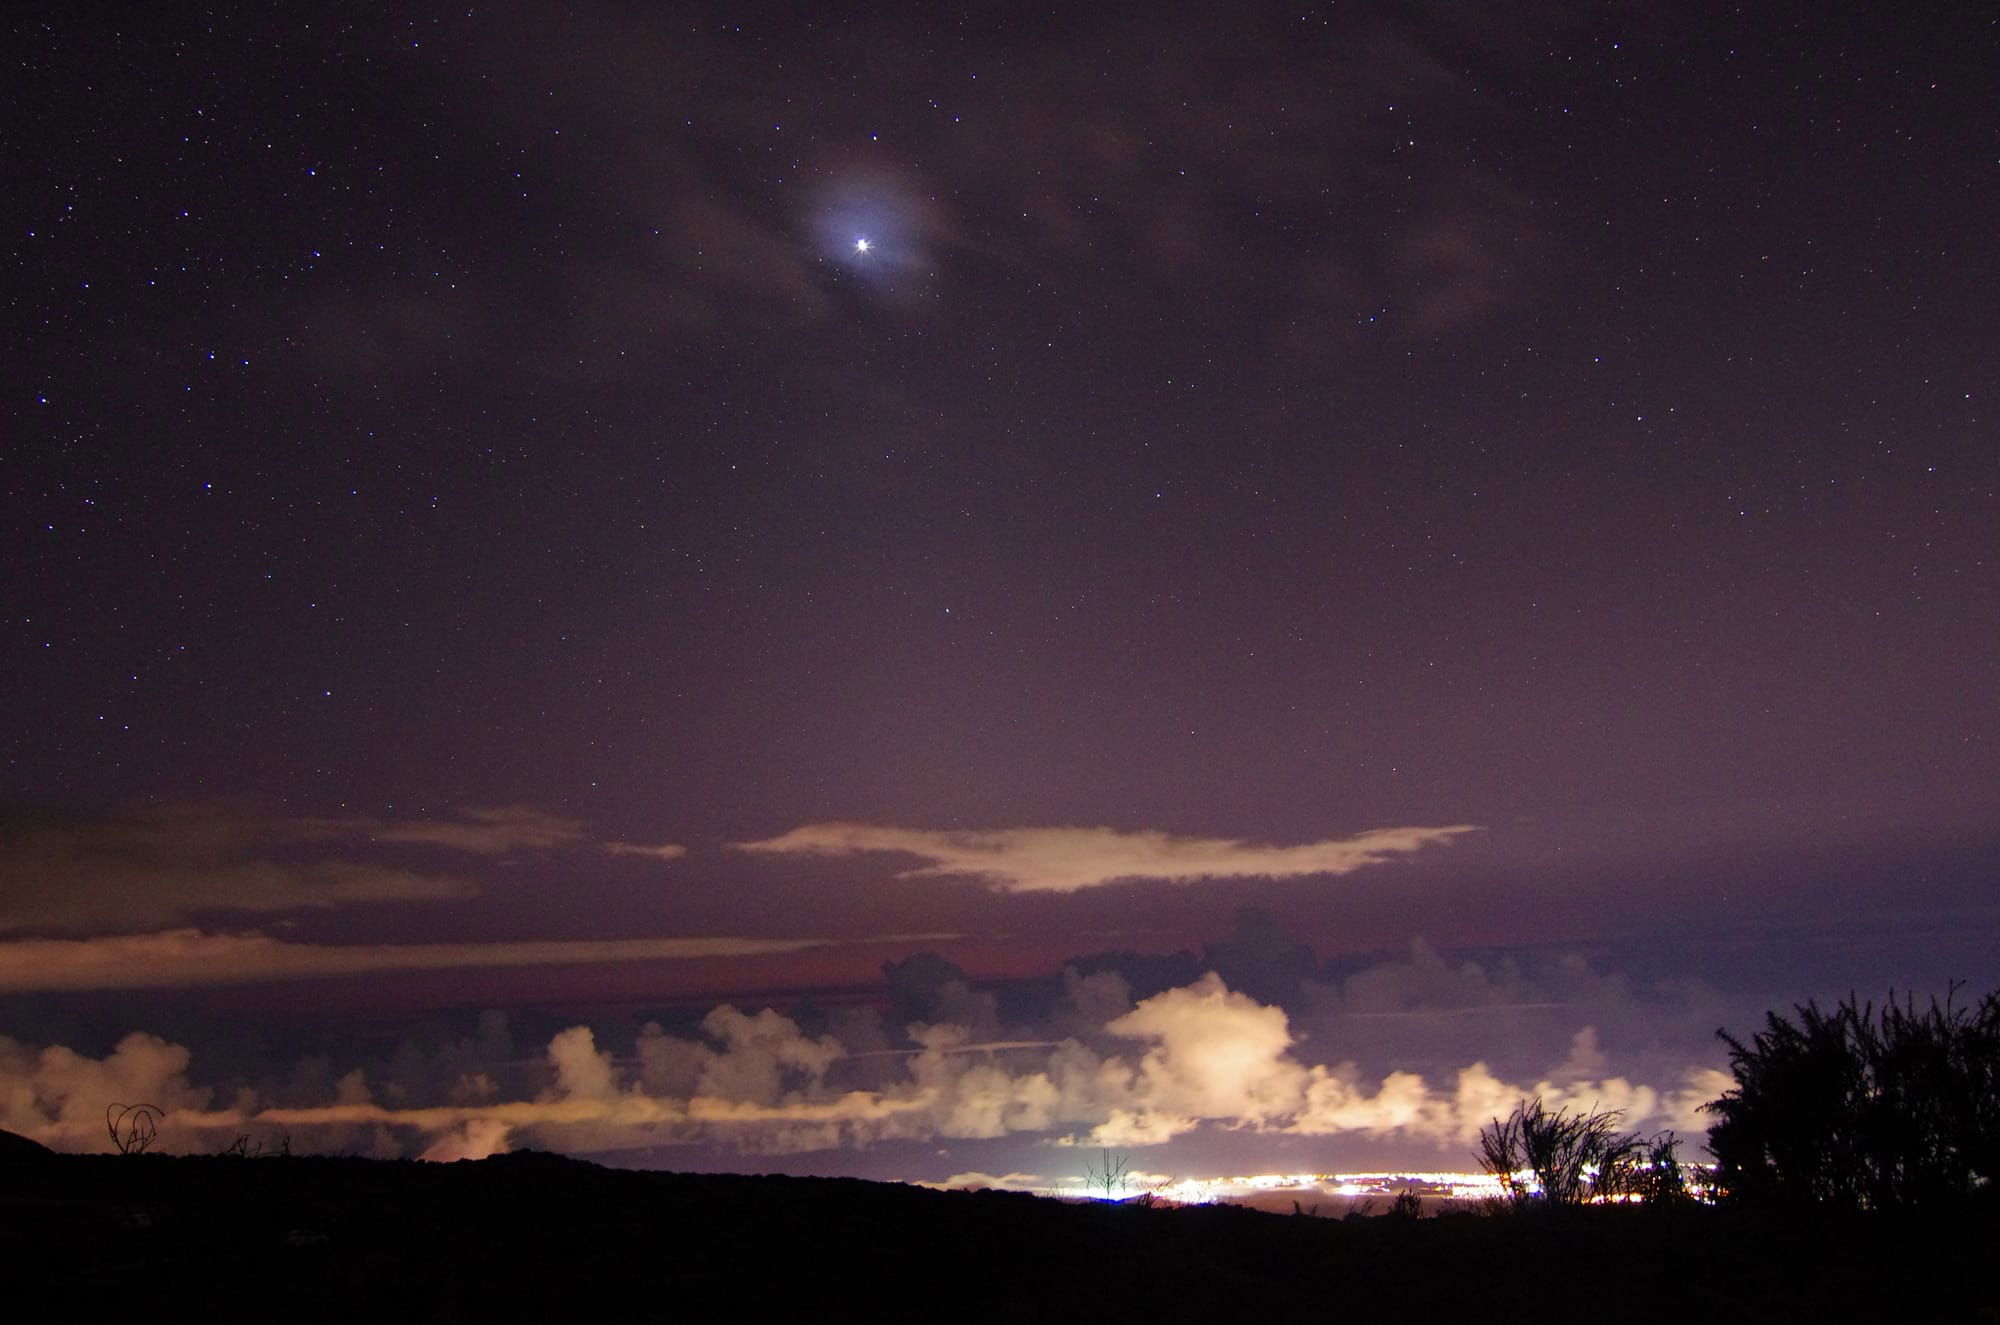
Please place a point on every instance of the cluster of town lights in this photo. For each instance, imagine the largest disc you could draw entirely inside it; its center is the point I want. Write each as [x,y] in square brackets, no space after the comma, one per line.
[1200,1191]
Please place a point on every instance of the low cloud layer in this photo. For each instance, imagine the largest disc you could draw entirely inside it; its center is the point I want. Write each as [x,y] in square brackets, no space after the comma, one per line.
[1195,1057]
[1067,860]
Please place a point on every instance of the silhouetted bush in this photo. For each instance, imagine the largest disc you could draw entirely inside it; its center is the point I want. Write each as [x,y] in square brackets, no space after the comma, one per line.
[1649,1172]
[1574,1158]
[1407,1205]
[1863,1108]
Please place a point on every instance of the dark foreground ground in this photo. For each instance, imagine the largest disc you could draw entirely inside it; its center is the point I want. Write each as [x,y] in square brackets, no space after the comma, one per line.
[535,1237]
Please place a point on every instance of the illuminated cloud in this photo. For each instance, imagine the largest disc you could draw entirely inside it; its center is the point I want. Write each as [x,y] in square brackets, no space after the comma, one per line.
[1067,860]
[1204,1057]
[582,1072]
[475,1138]
[61,1095]
[1215,1055]
[757,1055]
[189,957]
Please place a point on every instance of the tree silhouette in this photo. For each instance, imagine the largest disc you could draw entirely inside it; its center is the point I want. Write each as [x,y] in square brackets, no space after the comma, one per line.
[1107,1178]
[1860,1107]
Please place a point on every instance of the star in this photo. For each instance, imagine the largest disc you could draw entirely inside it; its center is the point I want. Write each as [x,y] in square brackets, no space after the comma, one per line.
[862,245]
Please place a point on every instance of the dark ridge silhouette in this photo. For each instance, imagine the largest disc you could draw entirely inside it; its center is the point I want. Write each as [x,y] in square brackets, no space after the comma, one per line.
[17,1149]
[539,1237]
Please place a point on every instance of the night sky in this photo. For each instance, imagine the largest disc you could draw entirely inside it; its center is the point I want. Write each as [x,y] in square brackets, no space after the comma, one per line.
[1419,552]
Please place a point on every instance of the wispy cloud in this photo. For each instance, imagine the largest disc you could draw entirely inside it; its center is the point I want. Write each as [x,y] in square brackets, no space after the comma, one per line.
[664,851]
[189,957]
[1067,860]
[490,831]
[1075,169]
[162,864]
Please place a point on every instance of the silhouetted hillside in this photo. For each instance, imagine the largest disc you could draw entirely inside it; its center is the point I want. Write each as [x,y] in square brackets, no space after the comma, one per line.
[537,1237]
[17,1149]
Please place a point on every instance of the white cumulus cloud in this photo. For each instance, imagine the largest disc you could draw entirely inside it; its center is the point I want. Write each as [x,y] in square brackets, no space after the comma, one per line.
[1192,1058]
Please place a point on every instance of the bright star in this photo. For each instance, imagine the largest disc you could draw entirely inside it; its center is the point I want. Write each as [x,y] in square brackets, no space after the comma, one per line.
[861,245]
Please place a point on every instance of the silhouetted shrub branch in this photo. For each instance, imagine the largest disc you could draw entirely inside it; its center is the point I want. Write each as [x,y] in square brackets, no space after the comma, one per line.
[133,1127]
